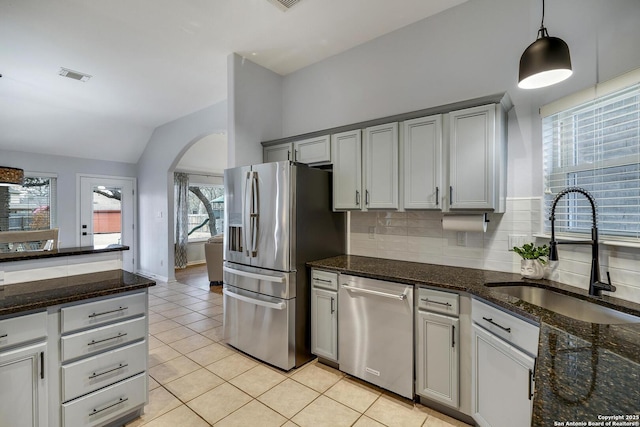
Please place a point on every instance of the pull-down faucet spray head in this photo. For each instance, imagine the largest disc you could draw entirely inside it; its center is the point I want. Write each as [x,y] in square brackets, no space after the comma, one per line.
[595,285]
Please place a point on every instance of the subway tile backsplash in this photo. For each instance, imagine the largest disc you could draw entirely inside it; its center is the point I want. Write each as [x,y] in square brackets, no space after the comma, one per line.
[418,236]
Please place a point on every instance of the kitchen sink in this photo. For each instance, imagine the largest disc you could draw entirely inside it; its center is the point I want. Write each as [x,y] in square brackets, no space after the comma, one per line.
[567,305]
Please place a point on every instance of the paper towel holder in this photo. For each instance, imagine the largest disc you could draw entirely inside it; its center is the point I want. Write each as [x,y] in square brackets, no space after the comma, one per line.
[486,217]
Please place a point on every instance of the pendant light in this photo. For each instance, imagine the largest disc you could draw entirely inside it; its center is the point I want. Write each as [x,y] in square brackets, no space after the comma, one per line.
[545,62]
[11,176]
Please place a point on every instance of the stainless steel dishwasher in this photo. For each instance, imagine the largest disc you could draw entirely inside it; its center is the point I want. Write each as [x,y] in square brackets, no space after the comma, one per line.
[375,332]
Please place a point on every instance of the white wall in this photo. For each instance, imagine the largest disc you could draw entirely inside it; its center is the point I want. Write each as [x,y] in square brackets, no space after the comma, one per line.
[167,145]
[255,109]
[208,155]
[66,169]
[466,52]
[470,51]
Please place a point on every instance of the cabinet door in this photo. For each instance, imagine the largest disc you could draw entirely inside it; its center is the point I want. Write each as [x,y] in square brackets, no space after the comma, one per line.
[502,382]
[313,150]
[472,157]
[277,153]
[422,151]
[437,359]
[324,323]
[381,166]
[23,394]
[347,170]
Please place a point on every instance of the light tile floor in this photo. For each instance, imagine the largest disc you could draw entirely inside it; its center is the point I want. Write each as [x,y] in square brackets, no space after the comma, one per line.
[197,380]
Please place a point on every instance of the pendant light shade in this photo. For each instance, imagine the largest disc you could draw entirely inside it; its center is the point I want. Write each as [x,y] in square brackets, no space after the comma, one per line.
[545,62]
[11,176]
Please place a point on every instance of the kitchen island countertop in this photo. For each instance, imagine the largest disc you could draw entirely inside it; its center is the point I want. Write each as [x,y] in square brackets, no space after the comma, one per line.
[39,294]
[583,370]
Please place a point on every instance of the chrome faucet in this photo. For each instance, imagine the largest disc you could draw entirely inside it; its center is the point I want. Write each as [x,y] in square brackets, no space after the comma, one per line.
[595,285]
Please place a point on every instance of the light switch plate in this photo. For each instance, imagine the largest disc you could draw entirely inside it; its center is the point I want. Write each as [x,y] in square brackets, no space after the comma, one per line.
[462,238]
[372,232]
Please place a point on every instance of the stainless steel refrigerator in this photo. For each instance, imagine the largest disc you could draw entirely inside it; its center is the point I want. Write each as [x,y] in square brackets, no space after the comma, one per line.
[277,217]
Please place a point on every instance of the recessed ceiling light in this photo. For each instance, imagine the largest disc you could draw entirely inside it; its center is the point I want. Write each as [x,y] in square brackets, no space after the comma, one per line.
[75,75]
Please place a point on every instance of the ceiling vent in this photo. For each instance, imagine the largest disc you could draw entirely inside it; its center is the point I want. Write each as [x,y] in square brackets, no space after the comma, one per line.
[75,75]
[284,5]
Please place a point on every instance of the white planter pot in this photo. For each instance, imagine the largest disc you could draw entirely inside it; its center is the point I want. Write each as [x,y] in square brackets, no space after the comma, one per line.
[531,269]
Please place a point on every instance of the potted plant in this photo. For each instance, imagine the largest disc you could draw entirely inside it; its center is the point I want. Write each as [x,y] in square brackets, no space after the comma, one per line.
[533,260]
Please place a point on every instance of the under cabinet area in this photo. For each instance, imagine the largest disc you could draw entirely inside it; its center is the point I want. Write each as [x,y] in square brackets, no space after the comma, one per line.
[324,314]
[503,382]
[23,351]
[437,346]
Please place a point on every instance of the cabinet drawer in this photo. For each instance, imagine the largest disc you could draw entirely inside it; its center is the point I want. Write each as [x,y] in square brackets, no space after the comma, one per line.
[90,374]
[100,312]
[28,327]
[438,301]
[107,404]
[324,279]
[104,338]
[508,327]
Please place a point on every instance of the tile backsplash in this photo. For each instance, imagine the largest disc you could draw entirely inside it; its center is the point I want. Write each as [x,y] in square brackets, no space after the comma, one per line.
[418,236]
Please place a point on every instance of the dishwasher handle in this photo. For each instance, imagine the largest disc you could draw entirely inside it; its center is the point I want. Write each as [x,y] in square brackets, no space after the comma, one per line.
[400,297]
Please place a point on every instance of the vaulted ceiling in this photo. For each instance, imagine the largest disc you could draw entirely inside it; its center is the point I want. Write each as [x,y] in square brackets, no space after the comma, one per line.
[152,61]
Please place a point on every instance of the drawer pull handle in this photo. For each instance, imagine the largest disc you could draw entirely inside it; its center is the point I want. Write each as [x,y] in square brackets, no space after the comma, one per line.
[4,336]
[490,320]
[107,339]
[107,312]
[97,411]
[109,371]
[322,280]
[427,300]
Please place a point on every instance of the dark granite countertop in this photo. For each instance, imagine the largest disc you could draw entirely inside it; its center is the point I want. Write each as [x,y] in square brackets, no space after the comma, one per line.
[583,370]
[39,294]
[62,252]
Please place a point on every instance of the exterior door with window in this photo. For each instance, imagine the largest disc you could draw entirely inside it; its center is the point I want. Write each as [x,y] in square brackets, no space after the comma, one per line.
[107,215]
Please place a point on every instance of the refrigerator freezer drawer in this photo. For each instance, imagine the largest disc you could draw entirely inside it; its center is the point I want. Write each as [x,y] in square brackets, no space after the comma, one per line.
[266,282]
[260,326]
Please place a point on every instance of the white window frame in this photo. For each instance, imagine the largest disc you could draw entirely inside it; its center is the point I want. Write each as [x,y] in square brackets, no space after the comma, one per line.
[571,106]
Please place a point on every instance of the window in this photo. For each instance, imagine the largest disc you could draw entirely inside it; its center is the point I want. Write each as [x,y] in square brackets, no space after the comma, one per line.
[30,206]
[206,210]
[596,146]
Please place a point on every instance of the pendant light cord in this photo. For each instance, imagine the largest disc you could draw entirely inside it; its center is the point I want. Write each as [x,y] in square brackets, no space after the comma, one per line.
[542,32]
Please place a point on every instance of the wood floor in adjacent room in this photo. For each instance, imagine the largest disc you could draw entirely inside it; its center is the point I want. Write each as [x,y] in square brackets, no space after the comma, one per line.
[196,380]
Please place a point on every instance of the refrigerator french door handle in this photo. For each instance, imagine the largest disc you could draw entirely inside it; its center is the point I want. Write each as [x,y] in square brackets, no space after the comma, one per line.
[273,305]
[246,214]
[255,213]
[257,276]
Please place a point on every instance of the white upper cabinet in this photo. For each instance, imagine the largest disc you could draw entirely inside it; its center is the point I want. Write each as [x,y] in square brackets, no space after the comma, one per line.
[477,163]
[312,151]
[422,155]
[347,170]
[278,153]
[381,166]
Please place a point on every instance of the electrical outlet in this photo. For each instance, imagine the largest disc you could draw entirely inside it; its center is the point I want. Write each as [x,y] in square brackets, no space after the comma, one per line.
[372,232]
[517,240]
[462,238]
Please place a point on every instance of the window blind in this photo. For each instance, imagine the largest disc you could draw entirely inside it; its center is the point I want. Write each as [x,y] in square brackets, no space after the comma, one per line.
[596,146]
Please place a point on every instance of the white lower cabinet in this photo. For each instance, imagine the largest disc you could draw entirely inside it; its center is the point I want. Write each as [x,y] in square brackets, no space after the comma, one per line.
[106,404]
[23,386]
[103,366]
[438,358]
[324,324]
[324,314]
[502,374]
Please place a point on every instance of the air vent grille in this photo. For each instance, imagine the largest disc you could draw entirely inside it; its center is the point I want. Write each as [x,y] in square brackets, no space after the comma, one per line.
[75,75]
[284,4]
